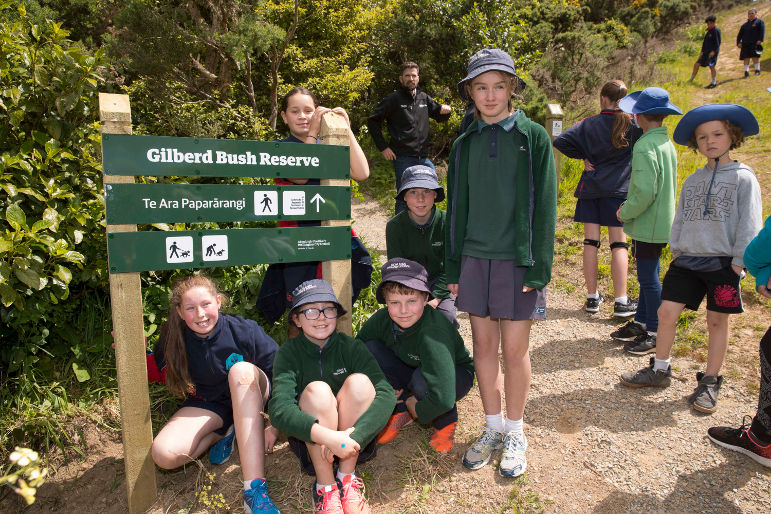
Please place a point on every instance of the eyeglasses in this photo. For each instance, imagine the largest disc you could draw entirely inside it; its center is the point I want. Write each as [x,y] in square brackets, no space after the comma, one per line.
[312,314]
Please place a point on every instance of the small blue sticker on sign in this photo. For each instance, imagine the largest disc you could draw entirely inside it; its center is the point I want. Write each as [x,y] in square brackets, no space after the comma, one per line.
[234,358]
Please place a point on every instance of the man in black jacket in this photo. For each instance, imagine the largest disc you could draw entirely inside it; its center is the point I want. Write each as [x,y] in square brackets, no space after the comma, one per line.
[406,112]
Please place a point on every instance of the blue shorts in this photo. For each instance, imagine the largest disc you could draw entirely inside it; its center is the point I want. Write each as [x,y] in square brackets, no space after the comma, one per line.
[706,60]
[600,211]
[222,408]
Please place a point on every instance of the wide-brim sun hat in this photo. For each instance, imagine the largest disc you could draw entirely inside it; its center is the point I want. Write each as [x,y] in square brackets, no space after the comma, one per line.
[420,176]
[405,272]
[736,114]
[488,59]
[312,291]
[651,100]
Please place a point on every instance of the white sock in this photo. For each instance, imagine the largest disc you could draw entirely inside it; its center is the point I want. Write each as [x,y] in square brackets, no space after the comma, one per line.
[746,67]
[323,487]
[757,66]
[714,81]
[248,483]
[651,333]
[513,425]
[341,476]
[495,421]
[622,299]
[660,364]
[593,295]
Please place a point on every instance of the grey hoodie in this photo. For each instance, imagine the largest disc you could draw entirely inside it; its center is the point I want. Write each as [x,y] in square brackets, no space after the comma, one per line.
[718,214]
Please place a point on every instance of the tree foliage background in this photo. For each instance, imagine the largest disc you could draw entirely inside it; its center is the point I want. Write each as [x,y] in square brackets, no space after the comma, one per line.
[218,68]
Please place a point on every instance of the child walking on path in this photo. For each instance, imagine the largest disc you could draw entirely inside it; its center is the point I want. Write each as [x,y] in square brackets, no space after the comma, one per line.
[222,364]
[604,142]
[417,234]
[330,396]
[501,216]
[648,210]
[755,440]
[710,47]
[718,214]
[422,355]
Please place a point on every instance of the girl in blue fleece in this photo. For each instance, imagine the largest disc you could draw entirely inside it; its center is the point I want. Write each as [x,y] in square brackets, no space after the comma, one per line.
[222,365]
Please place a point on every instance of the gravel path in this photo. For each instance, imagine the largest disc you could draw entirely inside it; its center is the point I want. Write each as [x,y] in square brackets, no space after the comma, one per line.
[595,444]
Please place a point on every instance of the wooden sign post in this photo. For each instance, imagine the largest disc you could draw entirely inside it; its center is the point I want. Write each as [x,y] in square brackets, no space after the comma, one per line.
[554,119]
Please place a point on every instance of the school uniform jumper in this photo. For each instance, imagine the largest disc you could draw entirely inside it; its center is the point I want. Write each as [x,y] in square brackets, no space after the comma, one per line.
[431,349]
[648,212]
[300,362]
[711,43]
[748,36]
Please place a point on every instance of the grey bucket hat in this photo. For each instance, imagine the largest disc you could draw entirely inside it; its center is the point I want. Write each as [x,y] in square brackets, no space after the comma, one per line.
[488,59]
[312,291]
[423,177]
[405,272]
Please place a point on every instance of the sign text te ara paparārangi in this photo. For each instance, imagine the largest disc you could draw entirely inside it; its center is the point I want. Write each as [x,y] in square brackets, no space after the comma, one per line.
[186,156]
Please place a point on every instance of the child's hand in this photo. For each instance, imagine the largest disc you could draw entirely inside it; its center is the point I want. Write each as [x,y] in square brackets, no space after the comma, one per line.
[453,288]
[434,303]
[398,393]
[271,436]
[389,154]
[527,289]
[410,404]
[618,214]
[341,112]
[341,443]
[315,126]
[738,270]
[588,166]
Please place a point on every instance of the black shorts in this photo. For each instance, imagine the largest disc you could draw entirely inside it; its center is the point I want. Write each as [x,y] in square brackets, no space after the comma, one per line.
[643,250]
[722,288]
[601,211]
[706,60]
[750,51]
[301,450]
[221,408]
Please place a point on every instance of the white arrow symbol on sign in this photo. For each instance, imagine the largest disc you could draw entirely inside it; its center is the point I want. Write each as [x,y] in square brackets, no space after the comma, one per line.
[319,200]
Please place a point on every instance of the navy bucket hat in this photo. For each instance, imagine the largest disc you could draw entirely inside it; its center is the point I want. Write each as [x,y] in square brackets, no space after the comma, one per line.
[405,272]
[736,114]
[488,59]
[423,177]
[651,100]
[312,291]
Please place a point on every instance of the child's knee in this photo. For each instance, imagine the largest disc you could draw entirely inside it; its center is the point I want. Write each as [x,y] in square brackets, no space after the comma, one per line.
[244,374]
[317,395]
[359,386]
[166,456]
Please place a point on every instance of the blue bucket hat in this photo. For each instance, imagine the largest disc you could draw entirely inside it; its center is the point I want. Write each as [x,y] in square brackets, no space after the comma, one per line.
[488,59]
[651,100]
[736,114]
[423,177]
[312,291]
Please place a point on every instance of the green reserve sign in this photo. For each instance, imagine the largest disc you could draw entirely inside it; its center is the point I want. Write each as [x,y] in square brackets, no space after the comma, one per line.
[194,203]
[186,156]
[130,252]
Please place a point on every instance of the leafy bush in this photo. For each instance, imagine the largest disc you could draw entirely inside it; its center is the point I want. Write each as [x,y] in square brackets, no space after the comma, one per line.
[51,231]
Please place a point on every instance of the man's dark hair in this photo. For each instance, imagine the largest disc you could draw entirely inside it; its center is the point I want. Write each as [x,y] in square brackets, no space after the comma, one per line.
[711,18]
[409,64]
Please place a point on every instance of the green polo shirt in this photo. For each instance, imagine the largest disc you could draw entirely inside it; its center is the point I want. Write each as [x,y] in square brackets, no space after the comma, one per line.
[491,179]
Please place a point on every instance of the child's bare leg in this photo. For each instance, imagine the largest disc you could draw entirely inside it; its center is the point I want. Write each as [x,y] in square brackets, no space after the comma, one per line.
[188,434]
[353,399]
[713,72]
[619,261]
[669,313]
[591,231]
[515,343]
[486,334]
[318,401]
[695,69]
[717,325]
[248,393]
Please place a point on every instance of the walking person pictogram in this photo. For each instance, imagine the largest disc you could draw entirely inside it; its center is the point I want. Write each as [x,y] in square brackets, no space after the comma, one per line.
[174,247]
[266,203]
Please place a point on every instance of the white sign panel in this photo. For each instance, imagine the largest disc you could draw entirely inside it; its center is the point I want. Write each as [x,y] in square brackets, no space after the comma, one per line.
[215,248]
[293,203]
[265,203]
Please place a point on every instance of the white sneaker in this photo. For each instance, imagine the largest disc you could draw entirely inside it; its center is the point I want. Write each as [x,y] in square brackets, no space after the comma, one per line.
[479,452]
[513,461]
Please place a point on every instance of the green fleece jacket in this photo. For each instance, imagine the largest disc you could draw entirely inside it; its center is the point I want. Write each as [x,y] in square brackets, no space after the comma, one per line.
[432,343]
[534,194]
[424,245]
[649,208]
[299,362]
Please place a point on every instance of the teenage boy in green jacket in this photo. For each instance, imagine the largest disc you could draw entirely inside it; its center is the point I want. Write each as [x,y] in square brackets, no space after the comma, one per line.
[649,209]
[418,233]
[420,352]
[329,396]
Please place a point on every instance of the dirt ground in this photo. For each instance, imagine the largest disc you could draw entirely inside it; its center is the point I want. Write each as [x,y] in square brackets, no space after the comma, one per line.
[594,444]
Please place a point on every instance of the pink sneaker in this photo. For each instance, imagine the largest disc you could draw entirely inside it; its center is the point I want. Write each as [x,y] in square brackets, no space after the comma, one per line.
[352,498]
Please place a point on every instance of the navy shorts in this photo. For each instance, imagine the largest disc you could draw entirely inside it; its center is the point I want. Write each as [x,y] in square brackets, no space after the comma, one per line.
[722,289]
[222,408]
[493,287]
[600,211]
[706,60]
[300,449]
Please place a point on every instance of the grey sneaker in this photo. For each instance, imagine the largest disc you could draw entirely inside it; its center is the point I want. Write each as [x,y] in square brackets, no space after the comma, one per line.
[646,377]
[624,310]
[593,304]
[479,452]
[641,345]
[629,332]
[513,461]
[704,397]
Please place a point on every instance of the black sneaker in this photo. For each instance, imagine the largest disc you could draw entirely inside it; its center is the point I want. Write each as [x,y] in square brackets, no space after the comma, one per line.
[740,440]
[641,345]
[711,86]
[757,72]
[593,304]
[704,397]
[625,310]
[746,74]
[629,332]
[646,377]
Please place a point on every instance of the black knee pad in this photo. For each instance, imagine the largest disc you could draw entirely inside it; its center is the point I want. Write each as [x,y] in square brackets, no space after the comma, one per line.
[619,244]
[592,242]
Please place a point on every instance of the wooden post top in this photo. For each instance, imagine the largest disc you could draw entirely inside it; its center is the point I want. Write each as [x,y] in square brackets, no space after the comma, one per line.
[554,111]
